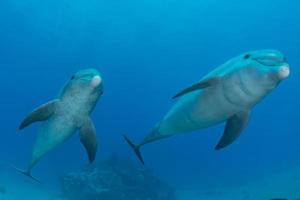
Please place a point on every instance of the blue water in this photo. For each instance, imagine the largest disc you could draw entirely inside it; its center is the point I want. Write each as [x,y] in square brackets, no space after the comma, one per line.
[147,51]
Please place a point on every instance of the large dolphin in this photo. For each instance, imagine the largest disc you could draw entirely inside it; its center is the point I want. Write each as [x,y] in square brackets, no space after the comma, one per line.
[65,115]
[228,93]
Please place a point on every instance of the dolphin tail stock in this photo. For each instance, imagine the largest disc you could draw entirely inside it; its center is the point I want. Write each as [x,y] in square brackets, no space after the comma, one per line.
[135,148]
[26,173]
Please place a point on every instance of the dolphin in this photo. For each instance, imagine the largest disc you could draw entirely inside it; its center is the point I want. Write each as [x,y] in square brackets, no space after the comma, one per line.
[227,94]
[62,117]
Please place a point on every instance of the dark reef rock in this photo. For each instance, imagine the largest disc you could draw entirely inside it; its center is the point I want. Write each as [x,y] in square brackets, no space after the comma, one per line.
[115,179]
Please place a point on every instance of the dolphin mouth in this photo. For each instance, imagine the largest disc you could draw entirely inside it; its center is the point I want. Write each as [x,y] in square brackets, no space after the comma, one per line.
[271,60]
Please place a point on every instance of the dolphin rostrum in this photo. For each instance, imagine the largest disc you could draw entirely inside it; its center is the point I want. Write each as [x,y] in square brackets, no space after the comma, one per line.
[65,115]
[228,93]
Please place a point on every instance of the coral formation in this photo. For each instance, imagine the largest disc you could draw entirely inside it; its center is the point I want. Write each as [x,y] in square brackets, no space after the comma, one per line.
[115,179]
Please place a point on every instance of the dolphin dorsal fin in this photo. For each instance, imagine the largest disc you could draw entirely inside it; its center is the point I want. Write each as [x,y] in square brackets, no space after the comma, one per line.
[198,86]
[40,114]
[89,139]
[233,129]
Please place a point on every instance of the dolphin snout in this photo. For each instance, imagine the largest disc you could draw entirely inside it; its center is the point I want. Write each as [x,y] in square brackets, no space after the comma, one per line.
[284,72]
[96,80]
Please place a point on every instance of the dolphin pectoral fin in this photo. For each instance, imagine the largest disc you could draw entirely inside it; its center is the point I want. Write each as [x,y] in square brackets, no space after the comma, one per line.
[234,127]
[40,114]
[198,86]
[89,139]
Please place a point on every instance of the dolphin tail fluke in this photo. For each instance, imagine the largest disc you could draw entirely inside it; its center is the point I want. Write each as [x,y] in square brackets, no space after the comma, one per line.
[26,173]
[136,149]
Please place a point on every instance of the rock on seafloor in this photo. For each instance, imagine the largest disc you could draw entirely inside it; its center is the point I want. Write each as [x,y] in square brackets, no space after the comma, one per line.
[115,179]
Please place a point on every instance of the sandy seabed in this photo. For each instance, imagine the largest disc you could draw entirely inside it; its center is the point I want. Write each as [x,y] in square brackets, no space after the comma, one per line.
[278,185]
[285,184]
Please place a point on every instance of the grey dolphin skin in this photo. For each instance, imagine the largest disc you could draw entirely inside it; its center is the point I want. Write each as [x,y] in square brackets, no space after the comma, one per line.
[227,94]
[65,115]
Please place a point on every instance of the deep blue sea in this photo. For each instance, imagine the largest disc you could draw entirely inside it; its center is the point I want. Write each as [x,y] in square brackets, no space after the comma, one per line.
[147,51]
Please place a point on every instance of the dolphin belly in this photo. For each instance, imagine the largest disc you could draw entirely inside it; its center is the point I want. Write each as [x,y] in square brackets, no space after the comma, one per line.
[196,111]
[52,133]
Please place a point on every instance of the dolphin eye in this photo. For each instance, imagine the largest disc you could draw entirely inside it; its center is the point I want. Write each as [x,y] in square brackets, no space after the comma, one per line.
[72,77]
[247,56]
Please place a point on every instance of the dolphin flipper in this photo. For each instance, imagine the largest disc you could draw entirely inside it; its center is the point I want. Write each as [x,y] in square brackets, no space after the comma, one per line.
[198,86]
[233,129]
[89,139]
[40,114]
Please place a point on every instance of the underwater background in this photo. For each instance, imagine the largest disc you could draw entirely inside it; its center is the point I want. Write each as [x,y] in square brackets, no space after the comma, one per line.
[147,51]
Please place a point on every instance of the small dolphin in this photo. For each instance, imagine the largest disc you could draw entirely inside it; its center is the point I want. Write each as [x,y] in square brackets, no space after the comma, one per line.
[228,93]
[65,115]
